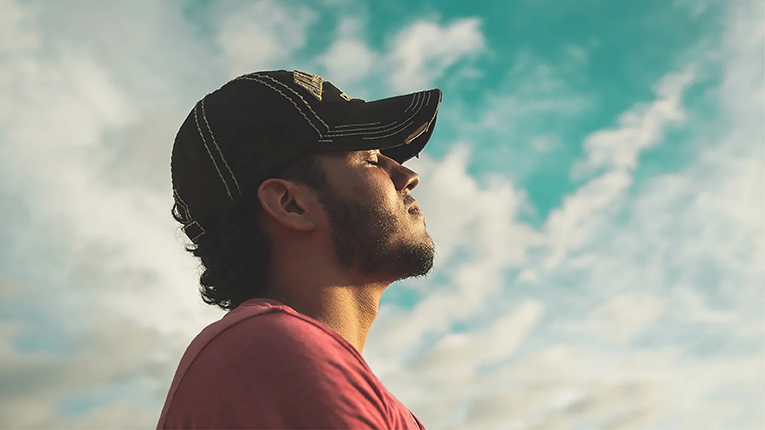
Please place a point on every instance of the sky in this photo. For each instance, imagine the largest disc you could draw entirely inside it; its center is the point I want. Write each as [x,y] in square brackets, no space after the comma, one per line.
[595,189]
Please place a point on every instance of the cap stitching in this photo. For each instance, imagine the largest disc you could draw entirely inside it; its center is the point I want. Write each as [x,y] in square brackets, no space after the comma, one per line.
[285,96]
[215,142]
[297,94]
[188,221]
[399,126]
[351,130]
[388,135]
[301,98]
[379,129]
[183,205]
[411,103]
[204,141]
[387,128]
[359,125]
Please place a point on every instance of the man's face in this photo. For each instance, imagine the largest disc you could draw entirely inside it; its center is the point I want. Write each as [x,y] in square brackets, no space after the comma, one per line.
[375,227]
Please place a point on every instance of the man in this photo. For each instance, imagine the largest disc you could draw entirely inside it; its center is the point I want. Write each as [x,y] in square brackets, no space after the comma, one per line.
[300,210]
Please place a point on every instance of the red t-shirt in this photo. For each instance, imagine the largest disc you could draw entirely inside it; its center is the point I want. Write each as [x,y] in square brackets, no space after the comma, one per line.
[266,366]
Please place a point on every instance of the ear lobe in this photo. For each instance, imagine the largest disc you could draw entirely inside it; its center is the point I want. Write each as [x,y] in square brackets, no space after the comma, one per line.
[285,203]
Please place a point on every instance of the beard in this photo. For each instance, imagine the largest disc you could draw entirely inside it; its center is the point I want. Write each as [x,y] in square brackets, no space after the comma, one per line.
[363,239]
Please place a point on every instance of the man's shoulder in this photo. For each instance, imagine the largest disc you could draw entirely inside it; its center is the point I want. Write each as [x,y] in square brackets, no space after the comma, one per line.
[272,346]
[272,367]
[265,328]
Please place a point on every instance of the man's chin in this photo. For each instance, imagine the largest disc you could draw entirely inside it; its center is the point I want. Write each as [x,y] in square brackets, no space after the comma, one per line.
[416,260]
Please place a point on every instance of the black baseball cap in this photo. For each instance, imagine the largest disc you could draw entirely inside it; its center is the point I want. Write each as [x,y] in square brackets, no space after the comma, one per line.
[259,123]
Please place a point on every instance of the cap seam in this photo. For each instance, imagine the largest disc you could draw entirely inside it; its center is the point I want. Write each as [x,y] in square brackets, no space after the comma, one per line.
[204,142]
[297,94]
[215,142]
[289,99]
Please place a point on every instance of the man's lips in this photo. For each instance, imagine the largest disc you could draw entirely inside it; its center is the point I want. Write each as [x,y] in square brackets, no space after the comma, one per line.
[414,208]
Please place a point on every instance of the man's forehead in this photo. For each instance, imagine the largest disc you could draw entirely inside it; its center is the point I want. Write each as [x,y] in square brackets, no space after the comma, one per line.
[366,152]
[352,154]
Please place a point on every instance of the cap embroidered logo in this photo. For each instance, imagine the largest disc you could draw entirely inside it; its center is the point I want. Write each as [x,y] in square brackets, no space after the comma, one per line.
[313,83]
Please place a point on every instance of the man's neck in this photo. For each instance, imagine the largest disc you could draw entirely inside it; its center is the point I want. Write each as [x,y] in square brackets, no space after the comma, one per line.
[348,310]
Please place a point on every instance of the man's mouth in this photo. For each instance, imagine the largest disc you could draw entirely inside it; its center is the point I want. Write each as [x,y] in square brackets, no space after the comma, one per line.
[414,208]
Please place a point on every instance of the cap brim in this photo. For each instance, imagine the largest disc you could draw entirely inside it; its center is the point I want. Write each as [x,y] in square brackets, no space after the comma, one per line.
[398,126]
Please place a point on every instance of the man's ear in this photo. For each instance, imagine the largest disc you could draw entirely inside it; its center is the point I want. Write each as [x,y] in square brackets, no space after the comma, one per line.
[287,203]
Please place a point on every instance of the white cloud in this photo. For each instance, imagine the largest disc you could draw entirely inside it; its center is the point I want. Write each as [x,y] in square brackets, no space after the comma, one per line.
[537,91]
[624,316]
[677,260]
[475,211]
[459,354]
[522,117]
[583,213]
[423,51]
[414,59]
[114,355]
[564,387]
[264,35]
[349,59]
[17,32]
[639,128]
[602,198]
[463,217]
[105,259]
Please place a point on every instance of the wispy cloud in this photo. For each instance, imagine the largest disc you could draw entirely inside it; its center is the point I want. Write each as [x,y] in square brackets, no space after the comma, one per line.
[606,351]
[349,58]
[263,35]
[416,57]
[92,235]
[639,128]
[423,51]
[524,117]
[17,32]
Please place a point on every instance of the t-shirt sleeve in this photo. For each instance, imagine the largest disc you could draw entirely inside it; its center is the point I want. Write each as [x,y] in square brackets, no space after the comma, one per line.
[278,371]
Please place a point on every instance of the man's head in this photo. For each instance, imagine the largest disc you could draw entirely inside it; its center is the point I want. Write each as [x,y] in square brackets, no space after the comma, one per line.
[274,158]
[362,203]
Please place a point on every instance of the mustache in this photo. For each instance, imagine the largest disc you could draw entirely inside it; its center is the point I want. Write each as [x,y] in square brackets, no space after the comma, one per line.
[408,199]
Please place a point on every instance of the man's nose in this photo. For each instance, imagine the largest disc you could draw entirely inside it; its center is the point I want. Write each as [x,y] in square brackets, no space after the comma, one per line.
[407,179]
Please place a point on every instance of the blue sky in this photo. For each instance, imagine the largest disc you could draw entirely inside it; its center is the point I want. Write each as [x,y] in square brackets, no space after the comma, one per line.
[595,188]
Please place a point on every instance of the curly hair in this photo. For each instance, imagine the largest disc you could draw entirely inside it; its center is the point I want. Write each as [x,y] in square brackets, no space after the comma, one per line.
[236,251]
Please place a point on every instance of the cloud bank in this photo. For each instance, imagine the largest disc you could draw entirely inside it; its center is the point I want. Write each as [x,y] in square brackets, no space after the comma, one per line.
[636,303]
